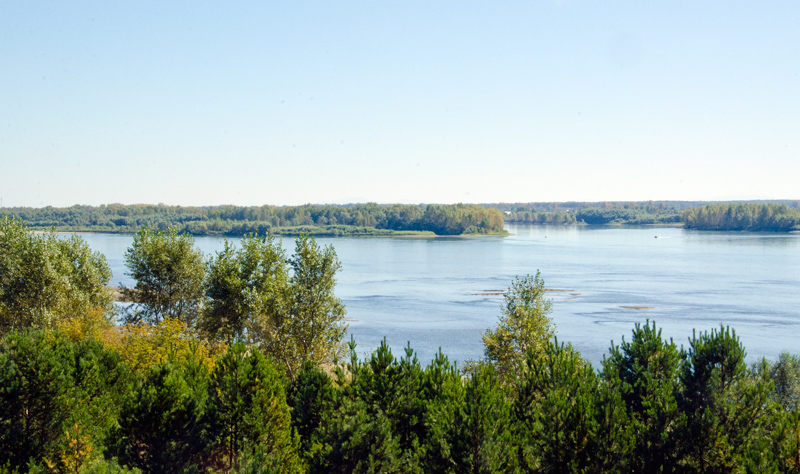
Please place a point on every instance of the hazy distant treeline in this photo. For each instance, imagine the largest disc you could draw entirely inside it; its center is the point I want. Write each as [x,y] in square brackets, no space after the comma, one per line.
[742,216]
[240,220]
[612,215]
[230,366]
[780,216]
[578,205]
[525,216]
[377,219]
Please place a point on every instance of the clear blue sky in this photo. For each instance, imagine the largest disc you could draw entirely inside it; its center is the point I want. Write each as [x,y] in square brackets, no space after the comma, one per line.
[202,103]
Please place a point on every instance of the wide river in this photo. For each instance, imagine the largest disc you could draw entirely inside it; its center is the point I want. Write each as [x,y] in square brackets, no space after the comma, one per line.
[432,292]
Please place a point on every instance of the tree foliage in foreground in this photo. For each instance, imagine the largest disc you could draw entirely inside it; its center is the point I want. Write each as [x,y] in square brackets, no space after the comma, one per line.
[245,289]
[169,274]
[70,406]
[247,403]
[314,328]
[286,307]
[59,400]
[46,280]
[524,325]
[253,294]
[164,398]
[644,372]
[557,414]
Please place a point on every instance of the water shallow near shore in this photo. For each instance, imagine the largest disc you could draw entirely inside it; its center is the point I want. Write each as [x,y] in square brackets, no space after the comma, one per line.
[442,292]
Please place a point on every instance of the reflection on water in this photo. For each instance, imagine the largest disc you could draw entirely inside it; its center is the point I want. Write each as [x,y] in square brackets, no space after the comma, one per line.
[432,291]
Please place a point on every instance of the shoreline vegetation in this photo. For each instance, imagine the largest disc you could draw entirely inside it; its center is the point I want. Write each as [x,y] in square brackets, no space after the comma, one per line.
[318,220]
[767,217]
[392,220]
[238,364]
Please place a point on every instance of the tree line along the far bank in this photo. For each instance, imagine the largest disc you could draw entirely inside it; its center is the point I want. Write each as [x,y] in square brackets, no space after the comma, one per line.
[361,219]
[238,364]
[394,219]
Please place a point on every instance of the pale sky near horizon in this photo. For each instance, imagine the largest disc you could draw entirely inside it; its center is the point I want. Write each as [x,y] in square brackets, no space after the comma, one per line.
[250,103]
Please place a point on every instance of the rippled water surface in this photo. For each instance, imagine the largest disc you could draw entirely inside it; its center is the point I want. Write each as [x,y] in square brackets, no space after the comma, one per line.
[431,291]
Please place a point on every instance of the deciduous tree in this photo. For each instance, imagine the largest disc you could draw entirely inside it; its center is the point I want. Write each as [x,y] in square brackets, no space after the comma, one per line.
[143,346]
[245,288]
[785,374]
[523,327]
[310,326]
[169,273]
[45,279]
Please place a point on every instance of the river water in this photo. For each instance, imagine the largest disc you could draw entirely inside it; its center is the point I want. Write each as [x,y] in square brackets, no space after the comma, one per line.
[432,292]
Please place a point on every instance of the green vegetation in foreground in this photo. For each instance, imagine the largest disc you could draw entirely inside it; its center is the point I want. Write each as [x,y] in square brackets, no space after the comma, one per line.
[359,219]
[237,372]
[72,404]
[235,365]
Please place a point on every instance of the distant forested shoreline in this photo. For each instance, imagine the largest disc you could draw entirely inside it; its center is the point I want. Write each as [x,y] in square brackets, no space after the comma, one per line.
[344,220]
[237,362]
[776,216]
[597,216]
[373,219]
[743,216]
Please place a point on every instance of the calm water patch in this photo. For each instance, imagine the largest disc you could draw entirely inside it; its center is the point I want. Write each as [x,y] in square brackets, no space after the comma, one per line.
[436,292]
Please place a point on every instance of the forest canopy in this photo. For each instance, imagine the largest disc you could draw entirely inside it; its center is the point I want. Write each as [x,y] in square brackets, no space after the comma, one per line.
[743,216]
[77,405]
[358,219]
[404,219]
[257,382]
